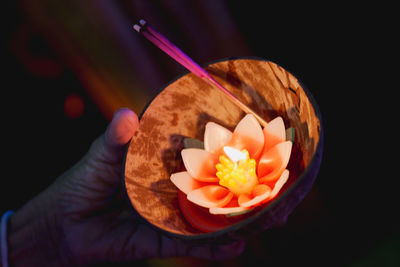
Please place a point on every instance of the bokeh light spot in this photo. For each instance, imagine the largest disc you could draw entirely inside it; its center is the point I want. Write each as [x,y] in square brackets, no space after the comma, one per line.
[74,106]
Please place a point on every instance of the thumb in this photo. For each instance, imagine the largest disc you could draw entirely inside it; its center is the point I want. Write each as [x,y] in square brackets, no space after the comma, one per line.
[109,147]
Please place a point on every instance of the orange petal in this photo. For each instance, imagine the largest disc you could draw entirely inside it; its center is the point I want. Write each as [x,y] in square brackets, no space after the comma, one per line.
[273,162]
[210,196]
[215,137]
[248,135]
[185,182]
[243,198]
[260,193]
[279,184]
[199,217]
[274,133]
[260,189]
[200,164]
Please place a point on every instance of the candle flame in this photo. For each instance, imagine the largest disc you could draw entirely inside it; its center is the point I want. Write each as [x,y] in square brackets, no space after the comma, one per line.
[234,154]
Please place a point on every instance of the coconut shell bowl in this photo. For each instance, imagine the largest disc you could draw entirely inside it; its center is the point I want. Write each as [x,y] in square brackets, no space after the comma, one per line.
[180,112]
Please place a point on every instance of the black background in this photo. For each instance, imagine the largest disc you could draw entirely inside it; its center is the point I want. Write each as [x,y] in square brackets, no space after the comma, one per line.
[341,53]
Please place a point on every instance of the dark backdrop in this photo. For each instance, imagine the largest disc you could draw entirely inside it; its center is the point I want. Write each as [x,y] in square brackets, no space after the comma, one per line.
[338,51]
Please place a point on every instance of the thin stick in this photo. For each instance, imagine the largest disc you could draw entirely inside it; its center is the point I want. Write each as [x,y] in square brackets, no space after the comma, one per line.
[173,51]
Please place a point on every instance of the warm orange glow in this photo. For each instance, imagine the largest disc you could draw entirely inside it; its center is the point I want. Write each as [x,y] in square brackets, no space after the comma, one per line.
[236,173]
[244,142]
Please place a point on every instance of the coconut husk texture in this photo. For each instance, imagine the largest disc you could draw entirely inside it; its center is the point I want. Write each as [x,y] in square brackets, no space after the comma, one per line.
[182,110]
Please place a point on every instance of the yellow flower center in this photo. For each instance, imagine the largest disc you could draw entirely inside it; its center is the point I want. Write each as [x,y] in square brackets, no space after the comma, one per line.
[236,171]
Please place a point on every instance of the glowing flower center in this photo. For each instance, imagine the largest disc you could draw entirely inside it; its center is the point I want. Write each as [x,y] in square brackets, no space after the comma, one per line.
[237,171]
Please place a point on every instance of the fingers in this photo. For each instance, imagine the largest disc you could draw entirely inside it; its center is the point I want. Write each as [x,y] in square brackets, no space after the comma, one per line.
[122,127]
[109,148]
[140,241]
[93,182]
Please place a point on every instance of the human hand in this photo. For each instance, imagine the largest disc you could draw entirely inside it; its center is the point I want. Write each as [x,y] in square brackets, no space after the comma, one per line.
[83,218]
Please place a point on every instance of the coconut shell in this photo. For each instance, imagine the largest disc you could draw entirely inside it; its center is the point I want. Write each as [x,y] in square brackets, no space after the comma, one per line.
[184,107]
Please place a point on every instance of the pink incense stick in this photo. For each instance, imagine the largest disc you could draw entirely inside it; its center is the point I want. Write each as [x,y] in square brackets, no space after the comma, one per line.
[164,44]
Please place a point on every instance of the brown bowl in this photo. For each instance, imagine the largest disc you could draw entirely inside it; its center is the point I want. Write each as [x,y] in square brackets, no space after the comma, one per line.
[184,107]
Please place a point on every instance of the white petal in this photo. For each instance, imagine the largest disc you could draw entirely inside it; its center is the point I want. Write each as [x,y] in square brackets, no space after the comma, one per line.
[215,136]
[277,128]
[248,135]
[250,127]
[199,164]
[185,182]
[274,133]
[216,210]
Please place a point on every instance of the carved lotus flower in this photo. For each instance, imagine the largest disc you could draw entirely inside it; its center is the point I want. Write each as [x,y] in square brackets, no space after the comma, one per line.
[237,170]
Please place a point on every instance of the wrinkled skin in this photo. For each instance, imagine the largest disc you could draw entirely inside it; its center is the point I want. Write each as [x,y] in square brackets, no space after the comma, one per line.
[85,219]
